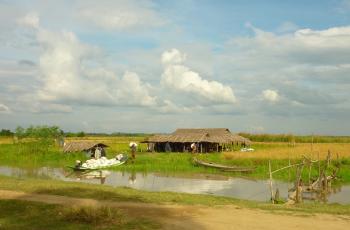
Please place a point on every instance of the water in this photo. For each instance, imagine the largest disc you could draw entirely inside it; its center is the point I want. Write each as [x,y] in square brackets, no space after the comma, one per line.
[240,188]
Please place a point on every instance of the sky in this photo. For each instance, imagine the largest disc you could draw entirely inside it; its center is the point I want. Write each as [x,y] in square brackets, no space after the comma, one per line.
[154,66]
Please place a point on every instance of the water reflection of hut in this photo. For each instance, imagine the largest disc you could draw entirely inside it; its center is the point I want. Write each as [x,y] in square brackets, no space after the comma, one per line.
[206,140]
[83,146]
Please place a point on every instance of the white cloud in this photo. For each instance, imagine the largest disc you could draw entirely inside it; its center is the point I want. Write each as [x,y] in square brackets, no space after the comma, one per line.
[308,66]
[173,56]
[168,106]
[287,27]
[30,20]
[4,109]
[121,14]
[67,77]
[180,78]
[270,95]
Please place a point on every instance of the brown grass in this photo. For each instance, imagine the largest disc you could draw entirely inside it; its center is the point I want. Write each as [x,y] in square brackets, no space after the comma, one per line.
[6,140]
[284,151]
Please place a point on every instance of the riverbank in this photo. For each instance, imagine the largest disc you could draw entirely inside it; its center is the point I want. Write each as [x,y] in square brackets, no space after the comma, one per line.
[123,194]
[64,212]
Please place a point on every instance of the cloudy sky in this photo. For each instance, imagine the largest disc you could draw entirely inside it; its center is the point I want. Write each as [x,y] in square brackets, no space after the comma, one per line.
[152,66]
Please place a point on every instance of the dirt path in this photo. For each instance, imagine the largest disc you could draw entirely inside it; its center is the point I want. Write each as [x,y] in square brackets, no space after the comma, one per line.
[199,217]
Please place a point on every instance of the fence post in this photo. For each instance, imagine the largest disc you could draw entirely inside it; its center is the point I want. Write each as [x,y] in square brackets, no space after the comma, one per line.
[271,188]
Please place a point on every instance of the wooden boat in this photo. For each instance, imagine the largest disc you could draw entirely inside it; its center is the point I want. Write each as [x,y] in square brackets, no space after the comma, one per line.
[82,169]
[223,167]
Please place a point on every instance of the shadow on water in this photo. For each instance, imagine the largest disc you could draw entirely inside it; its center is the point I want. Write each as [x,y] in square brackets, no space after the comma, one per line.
[240,188]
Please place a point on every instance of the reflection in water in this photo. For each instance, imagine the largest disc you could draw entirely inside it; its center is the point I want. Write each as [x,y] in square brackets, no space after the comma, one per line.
[197,184]
[98,174]
[132,178]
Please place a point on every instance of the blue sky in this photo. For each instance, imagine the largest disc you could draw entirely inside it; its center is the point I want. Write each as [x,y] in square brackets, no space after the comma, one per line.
[153,66]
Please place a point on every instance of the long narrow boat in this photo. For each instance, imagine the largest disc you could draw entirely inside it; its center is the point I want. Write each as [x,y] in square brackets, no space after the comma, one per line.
[223,167]
[117,163]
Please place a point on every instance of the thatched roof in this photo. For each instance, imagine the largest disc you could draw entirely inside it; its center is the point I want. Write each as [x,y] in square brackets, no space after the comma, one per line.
[81,146]
[213,135]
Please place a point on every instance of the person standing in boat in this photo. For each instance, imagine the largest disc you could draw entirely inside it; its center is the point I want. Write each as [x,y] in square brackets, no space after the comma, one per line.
[97,153]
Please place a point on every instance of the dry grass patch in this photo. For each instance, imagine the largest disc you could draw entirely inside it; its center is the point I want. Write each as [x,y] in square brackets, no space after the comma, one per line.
[285,151]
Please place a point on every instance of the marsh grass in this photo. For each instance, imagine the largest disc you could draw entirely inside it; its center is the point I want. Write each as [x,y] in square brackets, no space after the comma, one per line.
[264,137]
[35,154]
[286,151]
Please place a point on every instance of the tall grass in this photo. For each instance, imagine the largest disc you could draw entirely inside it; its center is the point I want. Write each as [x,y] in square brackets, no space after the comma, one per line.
[35,154]
[295,138]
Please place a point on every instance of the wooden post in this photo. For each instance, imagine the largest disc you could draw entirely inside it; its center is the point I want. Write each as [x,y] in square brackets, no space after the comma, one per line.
[328,158]
[310,173]
[217,147]
[297,185]
[319,170]
[201,147]
[271,188]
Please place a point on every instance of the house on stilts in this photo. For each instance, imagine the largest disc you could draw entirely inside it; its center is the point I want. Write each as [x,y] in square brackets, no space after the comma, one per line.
[206,140]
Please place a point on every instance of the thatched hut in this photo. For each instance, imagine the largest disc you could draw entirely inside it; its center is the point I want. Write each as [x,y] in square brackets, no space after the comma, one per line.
[206,140]
[82,146]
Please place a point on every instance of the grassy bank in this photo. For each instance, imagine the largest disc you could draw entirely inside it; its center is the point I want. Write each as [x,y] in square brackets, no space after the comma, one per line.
[71,189]
[33,155]
[16,214]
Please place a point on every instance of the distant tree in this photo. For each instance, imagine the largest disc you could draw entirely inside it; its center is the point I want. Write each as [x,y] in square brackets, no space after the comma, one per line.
[43,133]
[81,134]
[6,132]
[20,133]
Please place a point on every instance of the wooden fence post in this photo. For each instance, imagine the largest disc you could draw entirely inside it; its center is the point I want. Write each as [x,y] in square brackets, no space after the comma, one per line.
[271,188]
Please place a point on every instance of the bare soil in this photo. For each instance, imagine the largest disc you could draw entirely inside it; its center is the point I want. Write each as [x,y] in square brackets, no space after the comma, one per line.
[200,217]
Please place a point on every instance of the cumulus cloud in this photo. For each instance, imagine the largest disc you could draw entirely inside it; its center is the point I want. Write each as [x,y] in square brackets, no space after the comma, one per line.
[30,20]
[179,77]
[121,14]
[67,77]
[304,46]
[167,106]
[309,66]
[4,109]
[286,27]
[270,95]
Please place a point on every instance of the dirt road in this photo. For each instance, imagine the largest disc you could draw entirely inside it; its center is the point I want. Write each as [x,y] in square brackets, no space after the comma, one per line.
[199,217]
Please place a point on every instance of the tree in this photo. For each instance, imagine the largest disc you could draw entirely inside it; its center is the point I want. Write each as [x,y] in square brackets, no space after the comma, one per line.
[81,134]
[6,132]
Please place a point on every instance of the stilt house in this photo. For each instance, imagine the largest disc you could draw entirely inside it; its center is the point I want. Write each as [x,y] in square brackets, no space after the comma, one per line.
[206,140]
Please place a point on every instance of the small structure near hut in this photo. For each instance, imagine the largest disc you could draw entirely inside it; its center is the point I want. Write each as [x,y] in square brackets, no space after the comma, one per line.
[84,146]
[202,140]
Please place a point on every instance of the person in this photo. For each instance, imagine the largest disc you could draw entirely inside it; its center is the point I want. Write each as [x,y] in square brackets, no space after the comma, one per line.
[103,152]
[133,146]
[167,147]
[77,163]
[97,153]
[193,148]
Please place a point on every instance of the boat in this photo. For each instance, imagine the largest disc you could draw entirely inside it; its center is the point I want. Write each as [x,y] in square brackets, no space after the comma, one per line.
[223,167]
[101,163]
